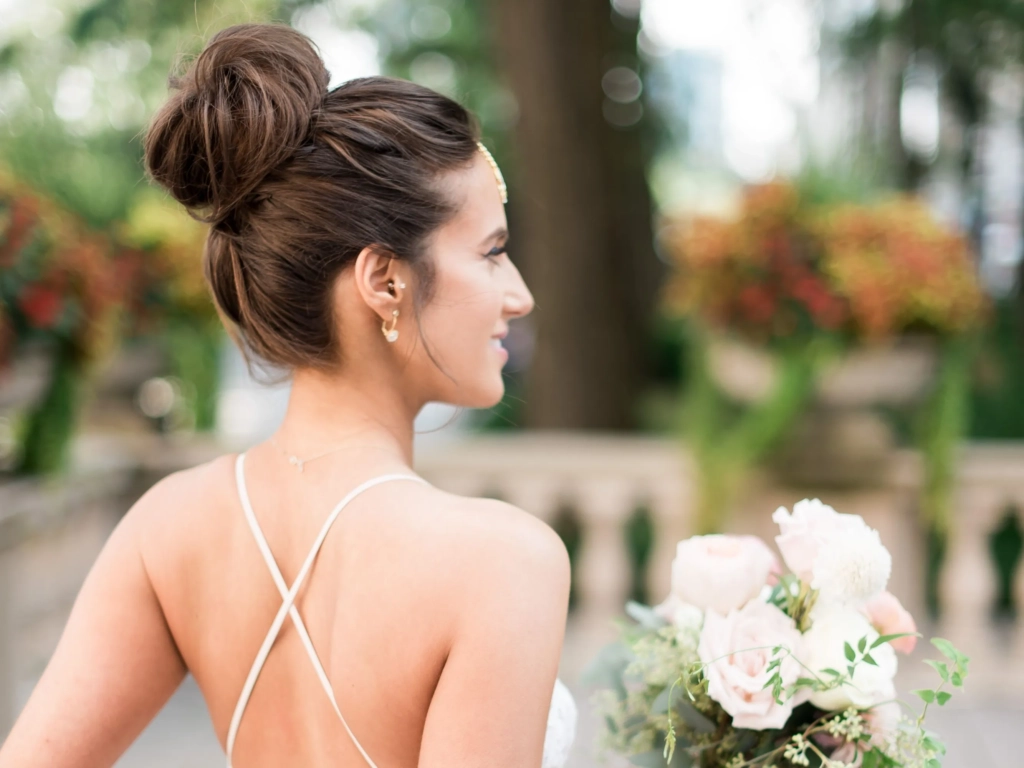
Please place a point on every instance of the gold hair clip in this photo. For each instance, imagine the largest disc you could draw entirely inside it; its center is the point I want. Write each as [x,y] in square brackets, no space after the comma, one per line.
[497,172]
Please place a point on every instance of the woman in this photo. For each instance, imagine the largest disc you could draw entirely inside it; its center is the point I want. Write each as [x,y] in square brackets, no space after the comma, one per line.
[358,240]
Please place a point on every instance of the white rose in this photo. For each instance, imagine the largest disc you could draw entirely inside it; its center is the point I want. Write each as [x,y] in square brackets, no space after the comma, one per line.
[720,573]
[840,555]
[809,530]
[737,650]
[824,648]
[853,568]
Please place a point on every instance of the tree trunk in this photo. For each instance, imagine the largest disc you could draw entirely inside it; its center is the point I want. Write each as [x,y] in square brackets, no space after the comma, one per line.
[582,212]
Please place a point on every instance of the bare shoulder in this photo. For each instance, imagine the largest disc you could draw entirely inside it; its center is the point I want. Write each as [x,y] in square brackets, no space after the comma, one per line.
[181,504]
[496,540]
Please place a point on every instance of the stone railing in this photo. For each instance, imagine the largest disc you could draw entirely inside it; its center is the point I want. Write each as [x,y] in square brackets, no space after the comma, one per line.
[50,534]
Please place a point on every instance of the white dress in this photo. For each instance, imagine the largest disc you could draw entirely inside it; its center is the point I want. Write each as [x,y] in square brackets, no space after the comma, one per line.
[562,715]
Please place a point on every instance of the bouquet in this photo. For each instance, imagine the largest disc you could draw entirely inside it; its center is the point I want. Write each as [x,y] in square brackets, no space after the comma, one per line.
[747,664]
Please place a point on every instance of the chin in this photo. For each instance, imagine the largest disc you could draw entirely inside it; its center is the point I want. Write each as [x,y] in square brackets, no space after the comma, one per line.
[485,397]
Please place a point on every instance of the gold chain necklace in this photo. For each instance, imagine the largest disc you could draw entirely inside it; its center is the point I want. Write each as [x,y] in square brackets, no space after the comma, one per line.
[295,461]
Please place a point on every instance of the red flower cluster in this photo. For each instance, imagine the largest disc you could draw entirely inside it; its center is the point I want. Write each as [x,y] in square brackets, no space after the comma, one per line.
[61,281]
[781,269]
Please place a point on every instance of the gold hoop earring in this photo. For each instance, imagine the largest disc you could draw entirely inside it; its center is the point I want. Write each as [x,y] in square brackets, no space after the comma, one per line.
[391,334]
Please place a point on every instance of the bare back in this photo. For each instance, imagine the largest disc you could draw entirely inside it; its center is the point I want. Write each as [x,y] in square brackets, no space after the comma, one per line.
[375,607]
[426,609]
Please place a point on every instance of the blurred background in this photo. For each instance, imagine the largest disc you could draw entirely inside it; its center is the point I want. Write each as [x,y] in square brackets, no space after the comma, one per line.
[776,252]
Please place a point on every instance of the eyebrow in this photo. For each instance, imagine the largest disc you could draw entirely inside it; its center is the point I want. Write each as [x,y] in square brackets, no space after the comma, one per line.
[497,234]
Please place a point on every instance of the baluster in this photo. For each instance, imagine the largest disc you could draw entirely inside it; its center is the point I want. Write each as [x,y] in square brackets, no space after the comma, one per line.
[603,504]
[967,582]
[671,512]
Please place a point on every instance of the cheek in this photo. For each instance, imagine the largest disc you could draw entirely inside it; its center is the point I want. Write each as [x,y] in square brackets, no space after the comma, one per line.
[467,308]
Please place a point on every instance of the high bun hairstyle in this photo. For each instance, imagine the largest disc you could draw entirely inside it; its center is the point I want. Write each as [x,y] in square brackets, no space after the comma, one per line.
[296,180]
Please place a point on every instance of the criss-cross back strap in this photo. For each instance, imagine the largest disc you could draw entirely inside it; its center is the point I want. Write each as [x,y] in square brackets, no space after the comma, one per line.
[288,605]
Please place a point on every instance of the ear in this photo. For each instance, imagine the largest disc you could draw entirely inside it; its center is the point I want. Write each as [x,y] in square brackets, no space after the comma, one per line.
[378,278]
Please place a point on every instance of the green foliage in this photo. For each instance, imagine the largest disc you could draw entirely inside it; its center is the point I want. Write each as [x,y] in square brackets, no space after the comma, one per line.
[121,52]
[943,424]
[44,449]
[194,351]
[996,407]
[728,439]
[452,55]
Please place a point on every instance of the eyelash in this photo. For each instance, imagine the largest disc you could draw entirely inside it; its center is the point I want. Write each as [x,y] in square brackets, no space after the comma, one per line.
[495,252]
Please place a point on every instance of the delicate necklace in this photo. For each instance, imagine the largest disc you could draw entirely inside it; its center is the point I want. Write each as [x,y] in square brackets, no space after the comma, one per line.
[300,463]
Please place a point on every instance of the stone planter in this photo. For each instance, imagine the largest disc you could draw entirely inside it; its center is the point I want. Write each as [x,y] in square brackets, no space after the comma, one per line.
[841,440]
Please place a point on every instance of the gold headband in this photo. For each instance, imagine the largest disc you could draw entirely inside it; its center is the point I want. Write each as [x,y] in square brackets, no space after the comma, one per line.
[497,172]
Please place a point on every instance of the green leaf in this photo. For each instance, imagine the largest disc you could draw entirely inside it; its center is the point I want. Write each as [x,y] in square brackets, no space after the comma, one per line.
[933,763]
[830,671]
[927,695]
[644,615]
[956,679]
[882,639]
[932,742]
[940,667]
[946,648]
[607,668]
[660,704]
[941,697]
[850,653]
[693,719]
[862,644]
[870,660]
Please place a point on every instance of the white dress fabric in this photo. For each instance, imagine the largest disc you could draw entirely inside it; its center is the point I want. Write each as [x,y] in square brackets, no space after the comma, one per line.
[561,731]
[562,716]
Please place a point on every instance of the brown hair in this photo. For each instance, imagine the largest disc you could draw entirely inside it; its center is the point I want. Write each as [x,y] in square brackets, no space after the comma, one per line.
[296,180]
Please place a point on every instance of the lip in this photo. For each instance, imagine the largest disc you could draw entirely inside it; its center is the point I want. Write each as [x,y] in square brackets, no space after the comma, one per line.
[499,349]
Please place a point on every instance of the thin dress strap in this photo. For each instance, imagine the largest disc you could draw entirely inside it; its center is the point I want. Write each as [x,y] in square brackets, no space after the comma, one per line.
[288,605]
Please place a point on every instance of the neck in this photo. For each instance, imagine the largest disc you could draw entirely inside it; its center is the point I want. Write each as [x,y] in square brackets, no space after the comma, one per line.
[328,412]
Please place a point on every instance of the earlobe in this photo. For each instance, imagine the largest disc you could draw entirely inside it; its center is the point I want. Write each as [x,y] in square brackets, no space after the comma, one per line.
[375,273]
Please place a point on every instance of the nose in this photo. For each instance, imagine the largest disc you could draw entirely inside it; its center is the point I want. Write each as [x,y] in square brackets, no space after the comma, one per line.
[518,299]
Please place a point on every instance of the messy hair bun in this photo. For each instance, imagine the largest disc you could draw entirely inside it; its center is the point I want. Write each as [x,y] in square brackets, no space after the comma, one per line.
[245,106]
[296,180]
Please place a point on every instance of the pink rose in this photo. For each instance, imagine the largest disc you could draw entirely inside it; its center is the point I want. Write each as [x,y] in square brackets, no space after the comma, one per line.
[811,527]
[889,617]
[737,649]
[718,572]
